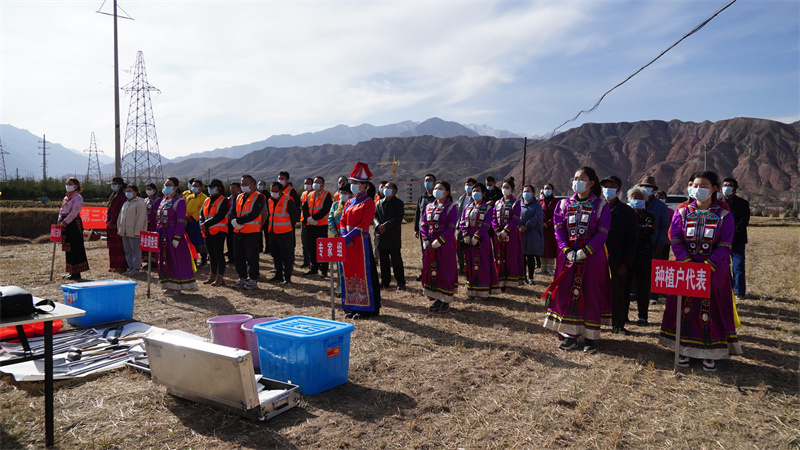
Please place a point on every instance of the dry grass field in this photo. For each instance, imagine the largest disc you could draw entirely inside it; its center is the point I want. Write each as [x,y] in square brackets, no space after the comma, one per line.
[486,375]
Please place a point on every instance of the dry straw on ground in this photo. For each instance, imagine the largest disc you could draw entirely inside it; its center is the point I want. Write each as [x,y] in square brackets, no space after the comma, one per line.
[485,375]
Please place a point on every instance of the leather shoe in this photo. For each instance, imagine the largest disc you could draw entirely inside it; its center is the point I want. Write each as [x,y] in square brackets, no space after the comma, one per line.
[276,278]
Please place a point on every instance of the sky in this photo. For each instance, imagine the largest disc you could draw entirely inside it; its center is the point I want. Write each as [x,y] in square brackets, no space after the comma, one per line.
[235,72]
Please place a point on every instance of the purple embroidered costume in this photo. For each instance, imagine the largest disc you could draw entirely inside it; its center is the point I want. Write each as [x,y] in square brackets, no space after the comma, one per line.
[439,265]
[507,245]
[579,299]
[175,267]
[707,325]
[478,258]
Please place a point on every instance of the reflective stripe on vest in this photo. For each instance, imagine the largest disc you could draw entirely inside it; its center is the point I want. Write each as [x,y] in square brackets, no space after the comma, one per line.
[279,220]
[222,225]
[243,209]
[315,205]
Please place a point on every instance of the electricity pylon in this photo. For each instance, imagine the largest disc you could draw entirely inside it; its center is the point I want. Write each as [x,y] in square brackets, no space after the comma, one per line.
[94,161]
[141,160]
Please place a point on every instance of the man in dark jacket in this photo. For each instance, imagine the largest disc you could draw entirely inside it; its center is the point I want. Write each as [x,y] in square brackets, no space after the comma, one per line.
[423,201]
[621,245]
[741,218]
[388,218]
[316,207]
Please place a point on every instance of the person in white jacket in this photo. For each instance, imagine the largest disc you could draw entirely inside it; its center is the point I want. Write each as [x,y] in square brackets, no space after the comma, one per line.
[132,219]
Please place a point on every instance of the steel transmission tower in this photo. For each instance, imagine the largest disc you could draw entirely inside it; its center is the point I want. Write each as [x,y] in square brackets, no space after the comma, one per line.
[94,162]
[3,152]
[141,161]
[44,157]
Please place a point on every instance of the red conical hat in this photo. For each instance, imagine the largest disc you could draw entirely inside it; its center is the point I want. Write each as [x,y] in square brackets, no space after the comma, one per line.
[361,172]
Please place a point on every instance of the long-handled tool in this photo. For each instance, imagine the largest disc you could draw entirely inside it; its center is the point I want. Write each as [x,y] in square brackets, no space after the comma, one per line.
[77,354]
[111,361]
[67,365]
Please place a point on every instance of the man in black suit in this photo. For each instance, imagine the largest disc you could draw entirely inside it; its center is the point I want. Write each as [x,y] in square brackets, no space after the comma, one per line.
[388,218]
[621,245]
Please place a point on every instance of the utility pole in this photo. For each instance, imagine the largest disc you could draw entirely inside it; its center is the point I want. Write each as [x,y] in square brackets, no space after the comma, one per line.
[3,161]
[524,159]
[44,158]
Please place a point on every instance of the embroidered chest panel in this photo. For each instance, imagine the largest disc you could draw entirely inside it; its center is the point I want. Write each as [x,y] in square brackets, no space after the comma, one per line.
[435,215]
[503,211]
[477,214]
[578,218]
[700,230]
[163,211]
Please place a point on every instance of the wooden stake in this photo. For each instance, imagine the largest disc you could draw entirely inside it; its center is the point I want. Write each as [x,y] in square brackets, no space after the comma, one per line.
[53,261]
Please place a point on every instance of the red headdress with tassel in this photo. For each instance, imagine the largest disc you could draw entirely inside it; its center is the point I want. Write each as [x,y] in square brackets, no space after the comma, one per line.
[361,172]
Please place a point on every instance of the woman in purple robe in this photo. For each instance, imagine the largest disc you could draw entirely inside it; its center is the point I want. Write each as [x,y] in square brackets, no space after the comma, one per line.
[579,299]
[175,262]
[702,232]
[439,265]
[476,223]
[508,246]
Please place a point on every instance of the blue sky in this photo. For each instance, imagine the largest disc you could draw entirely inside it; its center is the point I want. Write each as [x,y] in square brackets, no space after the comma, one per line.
[235,72]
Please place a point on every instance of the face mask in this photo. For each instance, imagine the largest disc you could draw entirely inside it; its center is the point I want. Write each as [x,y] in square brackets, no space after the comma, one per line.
[648,190]
[527,196]
[129,194]
[438,193]
[317,186]
[702,194]
[212,191]
[609,193]
[70,187]
[355,188]
[637,204]
[150,192]
[490,187]
[167,190]
[275,195]
[344,197]
[506,192]
[259,187]
[428,185]
[387,193]
[663,200]
[579,186]
[114,187]
[246,189]
[476,196]
[548,192]
[195,189]
[307,187]
[468,189]
[691,192]
[282,182]
[727,191]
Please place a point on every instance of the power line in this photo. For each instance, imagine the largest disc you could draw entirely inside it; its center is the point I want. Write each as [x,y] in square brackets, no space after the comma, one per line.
[694,30]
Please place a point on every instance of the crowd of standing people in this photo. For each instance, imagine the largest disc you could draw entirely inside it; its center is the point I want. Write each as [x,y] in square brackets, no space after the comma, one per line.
[597,248]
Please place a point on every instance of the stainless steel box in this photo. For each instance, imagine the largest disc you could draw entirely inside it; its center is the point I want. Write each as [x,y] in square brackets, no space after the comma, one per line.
[218,376]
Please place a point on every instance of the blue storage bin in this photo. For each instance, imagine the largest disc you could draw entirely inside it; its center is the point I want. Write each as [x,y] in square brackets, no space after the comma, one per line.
[313,353]
[104,301]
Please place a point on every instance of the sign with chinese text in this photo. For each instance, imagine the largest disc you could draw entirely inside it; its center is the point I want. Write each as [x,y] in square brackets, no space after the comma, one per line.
[330,249]
[681,278]
[55,233]
[94,217]
[148,241]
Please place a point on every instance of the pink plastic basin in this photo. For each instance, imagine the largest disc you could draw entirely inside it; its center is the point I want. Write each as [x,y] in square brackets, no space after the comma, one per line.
[252,338]
[226,330]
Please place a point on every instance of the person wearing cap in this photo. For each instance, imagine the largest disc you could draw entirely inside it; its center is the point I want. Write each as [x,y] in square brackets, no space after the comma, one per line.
[214,226]
[246,221]
[175,264]
[741,214]
[116,251]
[195,197]
[361,294]
[660,211]
[621,248]
[549,203]
[643,259]
[388,240]
[317,205]
[131,221]
[69,217]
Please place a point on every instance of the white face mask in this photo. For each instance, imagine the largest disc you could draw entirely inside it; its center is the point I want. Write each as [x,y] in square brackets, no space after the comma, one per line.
[316,186]
[579,186]
[275,195]
[355,188]
[307,187]
[150,192]
[507,192]
[246,189]
[438,193]
[195,189]
[344,198]
[282,182]
[702,194]
[212,191]
[71,187]
[727,191]
[609,193]
[548,192]
[129,194]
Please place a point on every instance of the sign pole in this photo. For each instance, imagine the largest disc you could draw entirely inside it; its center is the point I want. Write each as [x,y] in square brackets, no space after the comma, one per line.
[53,261]
[333,308]
[678,309]
[149,269]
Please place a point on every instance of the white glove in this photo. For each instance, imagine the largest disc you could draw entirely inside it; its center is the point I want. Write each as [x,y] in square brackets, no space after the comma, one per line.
[425,244]
[175,242]
[236,224]
[503,235]
[476,240]
[311,221]
[467,240]
[436,244]
[570,255]
[580,255]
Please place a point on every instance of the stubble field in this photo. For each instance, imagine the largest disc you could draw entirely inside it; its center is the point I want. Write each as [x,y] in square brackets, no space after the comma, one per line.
[485,375]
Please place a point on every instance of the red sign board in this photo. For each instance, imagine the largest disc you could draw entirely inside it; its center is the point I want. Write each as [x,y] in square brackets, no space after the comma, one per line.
[330,249]
[681,278]
[55,233]
[148,241]
[94,217]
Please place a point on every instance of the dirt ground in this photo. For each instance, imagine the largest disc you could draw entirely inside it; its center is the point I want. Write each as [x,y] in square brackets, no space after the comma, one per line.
[485,375]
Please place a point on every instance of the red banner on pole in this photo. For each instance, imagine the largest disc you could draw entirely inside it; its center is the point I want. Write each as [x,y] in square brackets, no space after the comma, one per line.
[148,241]
[330,249]
[55,233]
[681,278]
[94,217]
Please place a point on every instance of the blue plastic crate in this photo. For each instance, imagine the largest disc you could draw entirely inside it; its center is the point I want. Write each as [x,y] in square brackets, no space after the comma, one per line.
[104,301]
[313,353]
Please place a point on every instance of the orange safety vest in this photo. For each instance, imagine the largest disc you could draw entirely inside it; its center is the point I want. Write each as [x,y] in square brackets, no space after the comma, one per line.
[279,220]
[303,200]
[210,211]
[243,209]
[315,205]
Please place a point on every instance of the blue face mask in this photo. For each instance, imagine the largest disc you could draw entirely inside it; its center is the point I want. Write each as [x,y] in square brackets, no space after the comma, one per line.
[468,188]
[167,190]
[260,187]
[637,204]
[428,185]
[527,196]
[476,196]
[212,191]
[114,187]
[648,190]
[387,192]
[490,187]
[609,193]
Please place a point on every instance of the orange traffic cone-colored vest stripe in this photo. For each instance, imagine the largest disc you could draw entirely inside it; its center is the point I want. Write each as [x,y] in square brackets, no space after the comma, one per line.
[243,209]
[315,202]
[279,220]
[210,211]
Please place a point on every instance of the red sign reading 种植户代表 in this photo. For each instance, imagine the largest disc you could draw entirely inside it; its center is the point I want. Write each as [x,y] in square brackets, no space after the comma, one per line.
[681,278]
[330,249]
